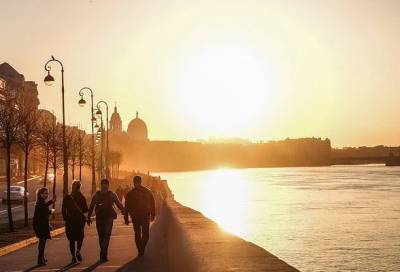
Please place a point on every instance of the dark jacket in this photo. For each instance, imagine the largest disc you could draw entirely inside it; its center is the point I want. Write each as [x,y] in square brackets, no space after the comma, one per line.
[103,203]
[41,219]
[73,209]
[140,202]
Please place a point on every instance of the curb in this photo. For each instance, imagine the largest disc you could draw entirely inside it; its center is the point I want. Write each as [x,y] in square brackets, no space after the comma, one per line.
[24,243]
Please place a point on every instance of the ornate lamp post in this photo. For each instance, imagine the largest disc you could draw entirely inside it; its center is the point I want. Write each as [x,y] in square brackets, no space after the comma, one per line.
[100,138]
[98,145]
[82,103]
[49,80]
[99,114]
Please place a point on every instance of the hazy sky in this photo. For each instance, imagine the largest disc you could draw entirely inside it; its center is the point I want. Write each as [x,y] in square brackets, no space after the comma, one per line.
[255,69]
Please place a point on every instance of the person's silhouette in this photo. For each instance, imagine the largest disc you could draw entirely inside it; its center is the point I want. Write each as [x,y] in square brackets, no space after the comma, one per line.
[104,201]
[74,207]
[140,205]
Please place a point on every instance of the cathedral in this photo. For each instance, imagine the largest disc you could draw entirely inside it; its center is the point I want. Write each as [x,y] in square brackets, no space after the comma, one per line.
[137,128]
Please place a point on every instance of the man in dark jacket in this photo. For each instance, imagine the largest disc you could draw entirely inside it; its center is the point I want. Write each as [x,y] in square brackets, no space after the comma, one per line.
[103,202]
[140,205]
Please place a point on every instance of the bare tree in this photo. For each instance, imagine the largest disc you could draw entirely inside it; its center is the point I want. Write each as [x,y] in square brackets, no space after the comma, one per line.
[9,126]
[115,161]
[82,142]
[27,138]
[55,152]
[72,134]
[45,138]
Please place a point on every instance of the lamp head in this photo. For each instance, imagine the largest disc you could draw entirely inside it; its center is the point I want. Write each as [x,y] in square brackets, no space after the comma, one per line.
[82,102]
[98,113]
[49,79]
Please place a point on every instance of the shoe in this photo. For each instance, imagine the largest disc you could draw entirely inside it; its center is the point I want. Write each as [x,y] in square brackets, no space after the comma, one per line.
[79,256]
[45,260]
[41,263]
[73,260]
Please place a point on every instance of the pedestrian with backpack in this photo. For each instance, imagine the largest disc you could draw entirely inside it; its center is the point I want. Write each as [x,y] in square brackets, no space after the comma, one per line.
[103,203]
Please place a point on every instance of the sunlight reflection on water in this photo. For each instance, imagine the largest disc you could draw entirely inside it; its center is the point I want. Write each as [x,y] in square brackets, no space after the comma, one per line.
[340,218]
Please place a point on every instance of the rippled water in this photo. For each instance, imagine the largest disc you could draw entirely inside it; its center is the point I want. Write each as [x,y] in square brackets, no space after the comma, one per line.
[338,218]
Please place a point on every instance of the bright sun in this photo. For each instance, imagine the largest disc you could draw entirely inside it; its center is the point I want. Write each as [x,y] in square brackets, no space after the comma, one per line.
[225,90]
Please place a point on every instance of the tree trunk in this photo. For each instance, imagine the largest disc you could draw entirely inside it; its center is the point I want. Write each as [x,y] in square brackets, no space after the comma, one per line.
[80,169]
[73,170]
[8,174]
[46,168]
[26,186]
[19,165]
[54,181]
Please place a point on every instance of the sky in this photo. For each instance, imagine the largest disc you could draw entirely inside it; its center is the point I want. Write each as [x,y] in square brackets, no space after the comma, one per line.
[262,70]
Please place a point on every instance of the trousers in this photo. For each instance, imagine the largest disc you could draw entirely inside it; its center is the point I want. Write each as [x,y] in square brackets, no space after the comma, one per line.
[104,229]
[141,226]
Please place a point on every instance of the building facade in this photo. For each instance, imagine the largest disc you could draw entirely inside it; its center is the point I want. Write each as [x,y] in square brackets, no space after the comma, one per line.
[14,82]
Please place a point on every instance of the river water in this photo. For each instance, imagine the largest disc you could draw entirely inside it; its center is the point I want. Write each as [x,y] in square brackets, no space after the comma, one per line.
[337,218]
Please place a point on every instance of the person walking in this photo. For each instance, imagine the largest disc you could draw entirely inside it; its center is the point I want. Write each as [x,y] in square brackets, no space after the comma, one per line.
[103,203]
[140,205]
[74,207]
[41,221]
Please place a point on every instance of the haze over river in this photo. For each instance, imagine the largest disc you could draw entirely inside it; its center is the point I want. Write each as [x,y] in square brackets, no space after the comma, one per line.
[337,218]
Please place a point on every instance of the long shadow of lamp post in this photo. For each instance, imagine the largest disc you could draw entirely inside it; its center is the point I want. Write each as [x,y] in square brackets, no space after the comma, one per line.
[82,103]
[99,114]
[49,80]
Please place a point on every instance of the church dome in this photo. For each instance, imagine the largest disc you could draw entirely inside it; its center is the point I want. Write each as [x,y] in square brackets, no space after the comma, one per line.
[137,130]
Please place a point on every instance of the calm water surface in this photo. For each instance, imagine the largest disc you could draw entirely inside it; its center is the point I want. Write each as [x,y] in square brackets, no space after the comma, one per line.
[338,218]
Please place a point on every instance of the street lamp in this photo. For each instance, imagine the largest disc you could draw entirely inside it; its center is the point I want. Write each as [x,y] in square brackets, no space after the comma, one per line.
[99,114]
[49,80]
[100,136]
[82,103]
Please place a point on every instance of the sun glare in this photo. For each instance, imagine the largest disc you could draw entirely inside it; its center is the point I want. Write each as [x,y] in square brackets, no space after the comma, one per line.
[229,188]
[226,90]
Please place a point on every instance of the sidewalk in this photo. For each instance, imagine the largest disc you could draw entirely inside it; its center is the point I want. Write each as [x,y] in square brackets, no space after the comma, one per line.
[122,253]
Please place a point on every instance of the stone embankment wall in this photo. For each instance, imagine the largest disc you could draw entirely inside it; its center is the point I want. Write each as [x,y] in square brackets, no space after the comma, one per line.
[196,243]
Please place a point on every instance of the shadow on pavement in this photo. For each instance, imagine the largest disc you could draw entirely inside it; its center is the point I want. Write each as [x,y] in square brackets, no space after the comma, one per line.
[67,267]
[93,266]
[32,268]
[155,257]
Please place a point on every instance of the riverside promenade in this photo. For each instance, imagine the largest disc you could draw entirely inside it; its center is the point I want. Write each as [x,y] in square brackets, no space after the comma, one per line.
[181,240]
[122,253]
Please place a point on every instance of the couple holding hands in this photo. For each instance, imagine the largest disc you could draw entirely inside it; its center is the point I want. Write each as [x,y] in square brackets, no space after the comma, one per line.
[139,204]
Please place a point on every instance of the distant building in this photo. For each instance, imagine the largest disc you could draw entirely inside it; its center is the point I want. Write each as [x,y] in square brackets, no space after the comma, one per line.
[11,80]
[137,130]
[31,91]
[115,123]
[15,82]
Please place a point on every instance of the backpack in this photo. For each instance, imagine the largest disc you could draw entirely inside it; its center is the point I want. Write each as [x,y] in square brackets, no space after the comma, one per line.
[104,205]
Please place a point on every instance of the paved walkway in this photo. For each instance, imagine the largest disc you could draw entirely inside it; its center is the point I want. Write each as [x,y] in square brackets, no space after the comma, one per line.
[122,253]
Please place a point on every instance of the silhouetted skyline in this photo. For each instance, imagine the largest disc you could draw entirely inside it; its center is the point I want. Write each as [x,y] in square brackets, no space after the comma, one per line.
[256,70]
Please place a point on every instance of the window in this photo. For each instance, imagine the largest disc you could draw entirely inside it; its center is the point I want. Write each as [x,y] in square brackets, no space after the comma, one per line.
[2,84]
